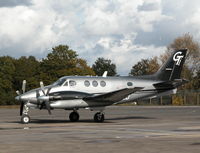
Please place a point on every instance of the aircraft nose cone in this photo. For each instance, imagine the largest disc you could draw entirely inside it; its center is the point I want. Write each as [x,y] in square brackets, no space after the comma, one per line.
[17,98]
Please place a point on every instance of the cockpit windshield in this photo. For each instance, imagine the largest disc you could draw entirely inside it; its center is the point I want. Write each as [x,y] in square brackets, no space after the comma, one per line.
[59,82]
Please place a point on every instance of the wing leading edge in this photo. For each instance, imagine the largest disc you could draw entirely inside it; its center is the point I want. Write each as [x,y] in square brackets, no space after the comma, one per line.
[114,96]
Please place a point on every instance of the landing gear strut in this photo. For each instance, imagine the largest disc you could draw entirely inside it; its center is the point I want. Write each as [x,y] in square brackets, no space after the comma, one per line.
[99,117]
[25,119]
[74,116]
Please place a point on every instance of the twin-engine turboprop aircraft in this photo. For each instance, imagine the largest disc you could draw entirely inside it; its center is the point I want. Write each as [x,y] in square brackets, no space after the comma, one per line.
[97,92]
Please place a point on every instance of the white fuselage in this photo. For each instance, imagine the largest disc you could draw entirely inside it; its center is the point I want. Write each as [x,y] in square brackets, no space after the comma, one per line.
[93,85]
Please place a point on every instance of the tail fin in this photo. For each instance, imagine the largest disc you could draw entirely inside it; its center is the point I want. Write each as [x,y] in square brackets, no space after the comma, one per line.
[172,68]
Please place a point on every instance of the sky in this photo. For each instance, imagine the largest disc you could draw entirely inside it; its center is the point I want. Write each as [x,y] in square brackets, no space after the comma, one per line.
[124,31]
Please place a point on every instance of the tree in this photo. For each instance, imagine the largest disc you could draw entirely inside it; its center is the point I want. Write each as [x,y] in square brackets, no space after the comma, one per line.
[7,70]
[196,81]
[60,62]
[192,64]
[63,61]
[145,67]
[193,56]
[26,68]
[101,65]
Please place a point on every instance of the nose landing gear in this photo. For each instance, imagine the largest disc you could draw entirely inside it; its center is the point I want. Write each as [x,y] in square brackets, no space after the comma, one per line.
[25,119]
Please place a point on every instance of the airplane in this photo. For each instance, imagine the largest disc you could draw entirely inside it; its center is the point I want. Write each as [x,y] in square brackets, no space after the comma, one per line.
[97,92]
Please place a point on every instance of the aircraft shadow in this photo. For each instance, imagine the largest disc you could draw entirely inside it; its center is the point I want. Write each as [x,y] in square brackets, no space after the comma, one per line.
[44,121]
[130,117]
[107,120]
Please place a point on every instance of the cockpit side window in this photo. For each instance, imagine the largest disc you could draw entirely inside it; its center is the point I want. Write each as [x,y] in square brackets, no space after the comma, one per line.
[59,82]
[72,83]
[66,83]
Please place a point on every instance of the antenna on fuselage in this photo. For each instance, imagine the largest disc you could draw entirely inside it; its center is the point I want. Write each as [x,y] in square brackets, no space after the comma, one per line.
[105,74]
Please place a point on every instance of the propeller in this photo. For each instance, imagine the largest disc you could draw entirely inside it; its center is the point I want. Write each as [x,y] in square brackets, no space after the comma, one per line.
[44,98]
[18,97]
[24,86]
[42,87]
[18,93]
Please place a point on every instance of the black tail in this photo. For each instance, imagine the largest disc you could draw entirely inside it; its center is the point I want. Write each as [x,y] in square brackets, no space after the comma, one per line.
[172,68]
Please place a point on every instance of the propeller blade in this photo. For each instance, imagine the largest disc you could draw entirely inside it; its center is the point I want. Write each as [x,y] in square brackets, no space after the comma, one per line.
[37,95]
[42,105]
[21,108]
[18,93]
[45,101]
[42,87]
[48,91]
[24,86]
[48,107]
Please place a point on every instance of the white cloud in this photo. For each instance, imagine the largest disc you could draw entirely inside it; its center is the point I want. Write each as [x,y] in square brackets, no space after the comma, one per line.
[122,30]
[125,52]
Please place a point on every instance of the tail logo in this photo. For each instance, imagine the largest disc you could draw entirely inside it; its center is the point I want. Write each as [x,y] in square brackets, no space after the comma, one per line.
[178,57]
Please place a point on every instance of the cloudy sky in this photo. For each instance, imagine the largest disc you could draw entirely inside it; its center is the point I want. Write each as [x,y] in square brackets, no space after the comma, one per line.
[122,30]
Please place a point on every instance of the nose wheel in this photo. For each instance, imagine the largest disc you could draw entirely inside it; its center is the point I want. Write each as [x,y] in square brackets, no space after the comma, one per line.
[74,116]
[99,117]
[25,119]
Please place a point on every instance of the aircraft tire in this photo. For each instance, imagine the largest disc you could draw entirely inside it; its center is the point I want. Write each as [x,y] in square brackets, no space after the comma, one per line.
[74,116]
[25,119]
[99,117]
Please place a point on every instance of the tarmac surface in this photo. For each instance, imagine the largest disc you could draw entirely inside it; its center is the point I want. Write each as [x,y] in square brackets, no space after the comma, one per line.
[127,129]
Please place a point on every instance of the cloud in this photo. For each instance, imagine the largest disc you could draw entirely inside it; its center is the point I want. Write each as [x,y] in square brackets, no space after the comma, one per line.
[123,30]
[13,3]
[148,6]
[125,52]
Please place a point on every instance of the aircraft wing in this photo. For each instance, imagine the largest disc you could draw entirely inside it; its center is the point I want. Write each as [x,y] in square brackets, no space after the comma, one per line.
[114,96]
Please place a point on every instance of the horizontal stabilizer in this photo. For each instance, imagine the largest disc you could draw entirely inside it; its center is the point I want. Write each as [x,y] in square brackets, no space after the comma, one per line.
[114,96]
[167,85]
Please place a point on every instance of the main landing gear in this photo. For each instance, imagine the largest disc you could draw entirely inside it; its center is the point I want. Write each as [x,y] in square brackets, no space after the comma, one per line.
[74,116]
[99,117]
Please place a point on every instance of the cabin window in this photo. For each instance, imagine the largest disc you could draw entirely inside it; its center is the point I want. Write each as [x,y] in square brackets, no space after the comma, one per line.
[129,84]
[103,83]
[87,83]
[72,83]
[95,83]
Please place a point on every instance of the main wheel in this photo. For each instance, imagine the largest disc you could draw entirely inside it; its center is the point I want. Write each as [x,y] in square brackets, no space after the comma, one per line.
[74,117]
[99,117]
[25,119]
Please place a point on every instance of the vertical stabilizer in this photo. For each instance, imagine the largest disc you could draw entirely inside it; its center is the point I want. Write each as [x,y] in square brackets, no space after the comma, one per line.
[172,68]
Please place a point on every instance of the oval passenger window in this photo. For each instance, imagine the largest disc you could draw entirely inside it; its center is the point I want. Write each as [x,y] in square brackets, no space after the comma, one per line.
[87,83]
[129,84]
[95,83]
[103,83]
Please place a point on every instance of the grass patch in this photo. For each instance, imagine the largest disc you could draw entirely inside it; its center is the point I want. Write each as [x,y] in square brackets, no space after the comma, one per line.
[9,106]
